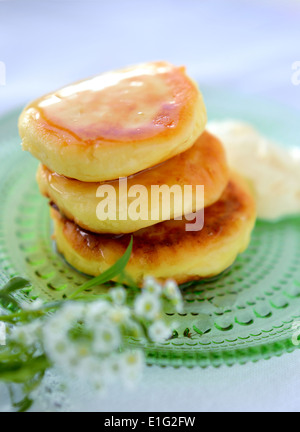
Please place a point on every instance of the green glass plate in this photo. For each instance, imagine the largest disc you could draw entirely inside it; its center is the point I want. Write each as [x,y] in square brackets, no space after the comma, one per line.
[248,313]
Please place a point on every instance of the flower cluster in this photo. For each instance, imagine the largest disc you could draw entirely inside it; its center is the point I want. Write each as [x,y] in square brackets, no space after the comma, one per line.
[149,306]
[86,340]
[89,339]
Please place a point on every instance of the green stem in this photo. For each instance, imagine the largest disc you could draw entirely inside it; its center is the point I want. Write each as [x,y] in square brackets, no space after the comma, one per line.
[14,284]
[22,315]
[108,275]
[22,372]
[93,297]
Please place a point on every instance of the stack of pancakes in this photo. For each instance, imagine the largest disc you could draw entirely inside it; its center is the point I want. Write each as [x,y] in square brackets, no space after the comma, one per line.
[145,124]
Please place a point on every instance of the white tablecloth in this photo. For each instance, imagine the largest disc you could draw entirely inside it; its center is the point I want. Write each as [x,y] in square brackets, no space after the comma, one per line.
[249,46]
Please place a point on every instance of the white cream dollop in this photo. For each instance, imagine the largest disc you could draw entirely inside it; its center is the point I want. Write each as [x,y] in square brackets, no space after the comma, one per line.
[274,171]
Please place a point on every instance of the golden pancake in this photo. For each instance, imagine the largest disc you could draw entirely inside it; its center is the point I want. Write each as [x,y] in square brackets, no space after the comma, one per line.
[115,124]
[167,250]
[203,164]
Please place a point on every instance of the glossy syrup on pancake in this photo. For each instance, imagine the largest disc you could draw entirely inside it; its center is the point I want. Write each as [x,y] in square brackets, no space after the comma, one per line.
[121,106]
[115,124]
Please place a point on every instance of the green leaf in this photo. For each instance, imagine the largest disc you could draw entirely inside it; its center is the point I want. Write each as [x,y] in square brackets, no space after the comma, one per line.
[23,371]
[30,315]
[197,330]
[109,274]
[15,284]
[22,316]
[6,299]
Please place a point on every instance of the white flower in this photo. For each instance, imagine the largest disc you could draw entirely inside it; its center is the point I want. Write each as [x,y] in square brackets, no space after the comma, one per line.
[152,286]
[55,328]
[118,295]
[72,312]
[59,325]
[28,334]
[147,306]
[60,350]
[84,339]
[171,289]
[159,332]
[173,293]
[99,372]
[178,303]
[56,335]
[131,366]
[96,312]
[33,306]
[93,371]
[107,339]
[119,314]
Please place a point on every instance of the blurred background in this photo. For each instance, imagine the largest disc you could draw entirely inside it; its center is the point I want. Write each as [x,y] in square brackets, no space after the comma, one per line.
[248,46]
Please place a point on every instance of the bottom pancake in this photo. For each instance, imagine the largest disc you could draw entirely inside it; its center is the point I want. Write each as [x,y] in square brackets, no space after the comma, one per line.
[167,250]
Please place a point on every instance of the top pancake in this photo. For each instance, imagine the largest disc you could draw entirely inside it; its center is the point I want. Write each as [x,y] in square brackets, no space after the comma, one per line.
[116,124]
